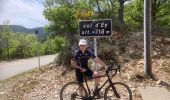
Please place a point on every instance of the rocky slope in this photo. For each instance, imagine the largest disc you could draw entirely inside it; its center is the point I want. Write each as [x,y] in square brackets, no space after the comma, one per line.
[127,50]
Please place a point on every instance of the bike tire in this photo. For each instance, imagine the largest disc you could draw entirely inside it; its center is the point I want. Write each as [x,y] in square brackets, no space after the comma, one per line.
[72,84]
[118,86]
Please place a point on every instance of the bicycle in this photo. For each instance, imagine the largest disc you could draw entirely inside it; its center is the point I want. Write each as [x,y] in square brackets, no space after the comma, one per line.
[112,92]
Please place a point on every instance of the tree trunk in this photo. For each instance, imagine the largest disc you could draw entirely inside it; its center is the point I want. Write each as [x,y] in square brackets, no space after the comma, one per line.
[109,10]
[97,2]
[121,11]
[8,51]
[66,54]
[21,50]
[69,35]
[154,10]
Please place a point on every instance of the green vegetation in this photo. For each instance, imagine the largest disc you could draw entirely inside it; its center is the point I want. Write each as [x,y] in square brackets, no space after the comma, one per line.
[64,15]
[160,15]
[22,45]
[126,15]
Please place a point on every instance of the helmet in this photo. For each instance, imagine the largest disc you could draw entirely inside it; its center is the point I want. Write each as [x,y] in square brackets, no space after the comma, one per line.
[82,42]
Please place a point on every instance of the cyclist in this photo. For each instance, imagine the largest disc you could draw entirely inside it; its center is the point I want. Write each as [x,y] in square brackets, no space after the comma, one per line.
[80,63]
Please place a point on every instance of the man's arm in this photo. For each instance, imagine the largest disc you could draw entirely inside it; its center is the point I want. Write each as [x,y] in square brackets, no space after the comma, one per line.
[74,64]
[96,59]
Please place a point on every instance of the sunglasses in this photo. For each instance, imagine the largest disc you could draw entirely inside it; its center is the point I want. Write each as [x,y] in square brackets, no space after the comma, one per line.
[82,45]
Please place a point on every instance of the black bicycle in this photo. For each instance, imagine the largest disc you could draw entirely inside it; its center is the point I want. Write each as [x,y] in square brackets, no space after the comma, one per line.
[115,90]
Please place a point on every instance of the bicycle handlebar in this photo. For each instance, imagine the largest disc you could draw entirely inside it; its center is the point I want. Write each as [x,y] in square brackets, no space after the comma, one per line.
[111,68]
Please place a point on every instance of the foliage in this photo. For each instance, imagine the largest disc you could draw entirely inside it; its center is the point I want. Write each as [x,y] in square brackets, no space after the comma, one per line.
[63,22]
[64,16]
[54,45]
[160,14]
[22,45]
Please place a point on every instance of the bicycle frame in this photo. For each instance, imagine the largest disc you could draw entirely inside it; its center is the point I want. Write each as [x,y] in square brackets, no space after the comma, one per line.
[108,80]
[89,92]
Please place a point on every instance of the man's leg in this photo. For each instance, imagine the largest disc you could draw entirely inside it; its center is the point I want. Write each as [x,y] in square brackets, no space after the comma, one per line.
[91,74]
[97,80]
[79,77]
[81,91]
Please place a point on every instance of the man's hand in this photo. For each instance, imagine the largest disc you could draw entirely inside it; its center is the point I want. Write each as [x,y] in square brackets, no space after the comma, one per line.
[106,67]
[83,69]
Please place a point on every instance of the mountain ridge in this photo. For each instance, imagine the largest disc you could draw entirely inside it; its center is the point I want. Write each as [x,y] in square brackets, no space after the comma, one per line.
[20,28]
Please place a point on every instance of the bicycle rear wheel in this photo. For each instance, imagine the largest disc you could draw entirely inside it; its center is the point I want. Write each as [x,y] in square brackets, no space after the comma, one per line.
[122,89]
[70,91]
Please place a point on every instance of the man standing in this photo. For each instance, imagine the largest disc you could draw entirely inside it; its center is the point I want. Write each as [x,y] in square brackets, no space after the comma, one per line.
[80,63]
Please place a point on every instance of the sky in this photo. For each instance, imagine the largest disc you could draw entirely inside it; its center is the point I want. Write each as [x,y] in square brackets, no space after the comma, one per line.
[28,13]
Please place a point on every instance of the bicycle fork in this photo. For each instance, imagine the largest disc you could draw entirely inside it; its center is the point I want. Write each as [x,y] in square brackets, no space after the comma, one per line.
[113,88]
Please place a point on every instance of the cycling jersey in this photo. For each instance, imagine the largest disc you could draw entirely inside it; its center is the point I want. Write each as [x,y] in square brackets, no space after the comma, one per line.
[82,61]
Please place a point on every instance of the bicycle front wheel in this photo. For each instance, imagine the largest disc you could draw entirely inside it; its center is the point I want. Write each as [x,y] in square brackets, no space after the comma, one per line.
[122,89]
[71,91]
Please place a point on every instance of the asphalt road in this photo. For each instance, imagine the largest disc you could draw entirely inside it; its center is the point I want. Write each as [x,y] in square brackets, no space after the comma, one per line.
[12,68]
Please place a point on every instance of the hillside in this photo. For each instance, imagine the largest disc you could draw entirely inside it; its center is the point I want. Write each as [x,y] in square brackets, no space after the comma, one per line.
[127,49]
[19,28]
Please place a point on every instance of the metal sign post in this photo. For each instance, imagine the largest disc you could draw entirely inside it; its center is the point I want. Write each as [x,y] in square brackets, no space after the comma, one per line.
[38,54]
[95,52]
[95,46]
[95,28]
[147,37]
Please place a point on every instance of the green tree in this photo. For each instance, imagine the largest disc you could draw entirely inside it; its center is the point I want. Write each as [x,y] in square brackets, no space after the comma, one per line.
[25,45]
[60,22]
[55,45]
[48,46]
[5,36]
[160,9]
[160,13]
[59,43]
